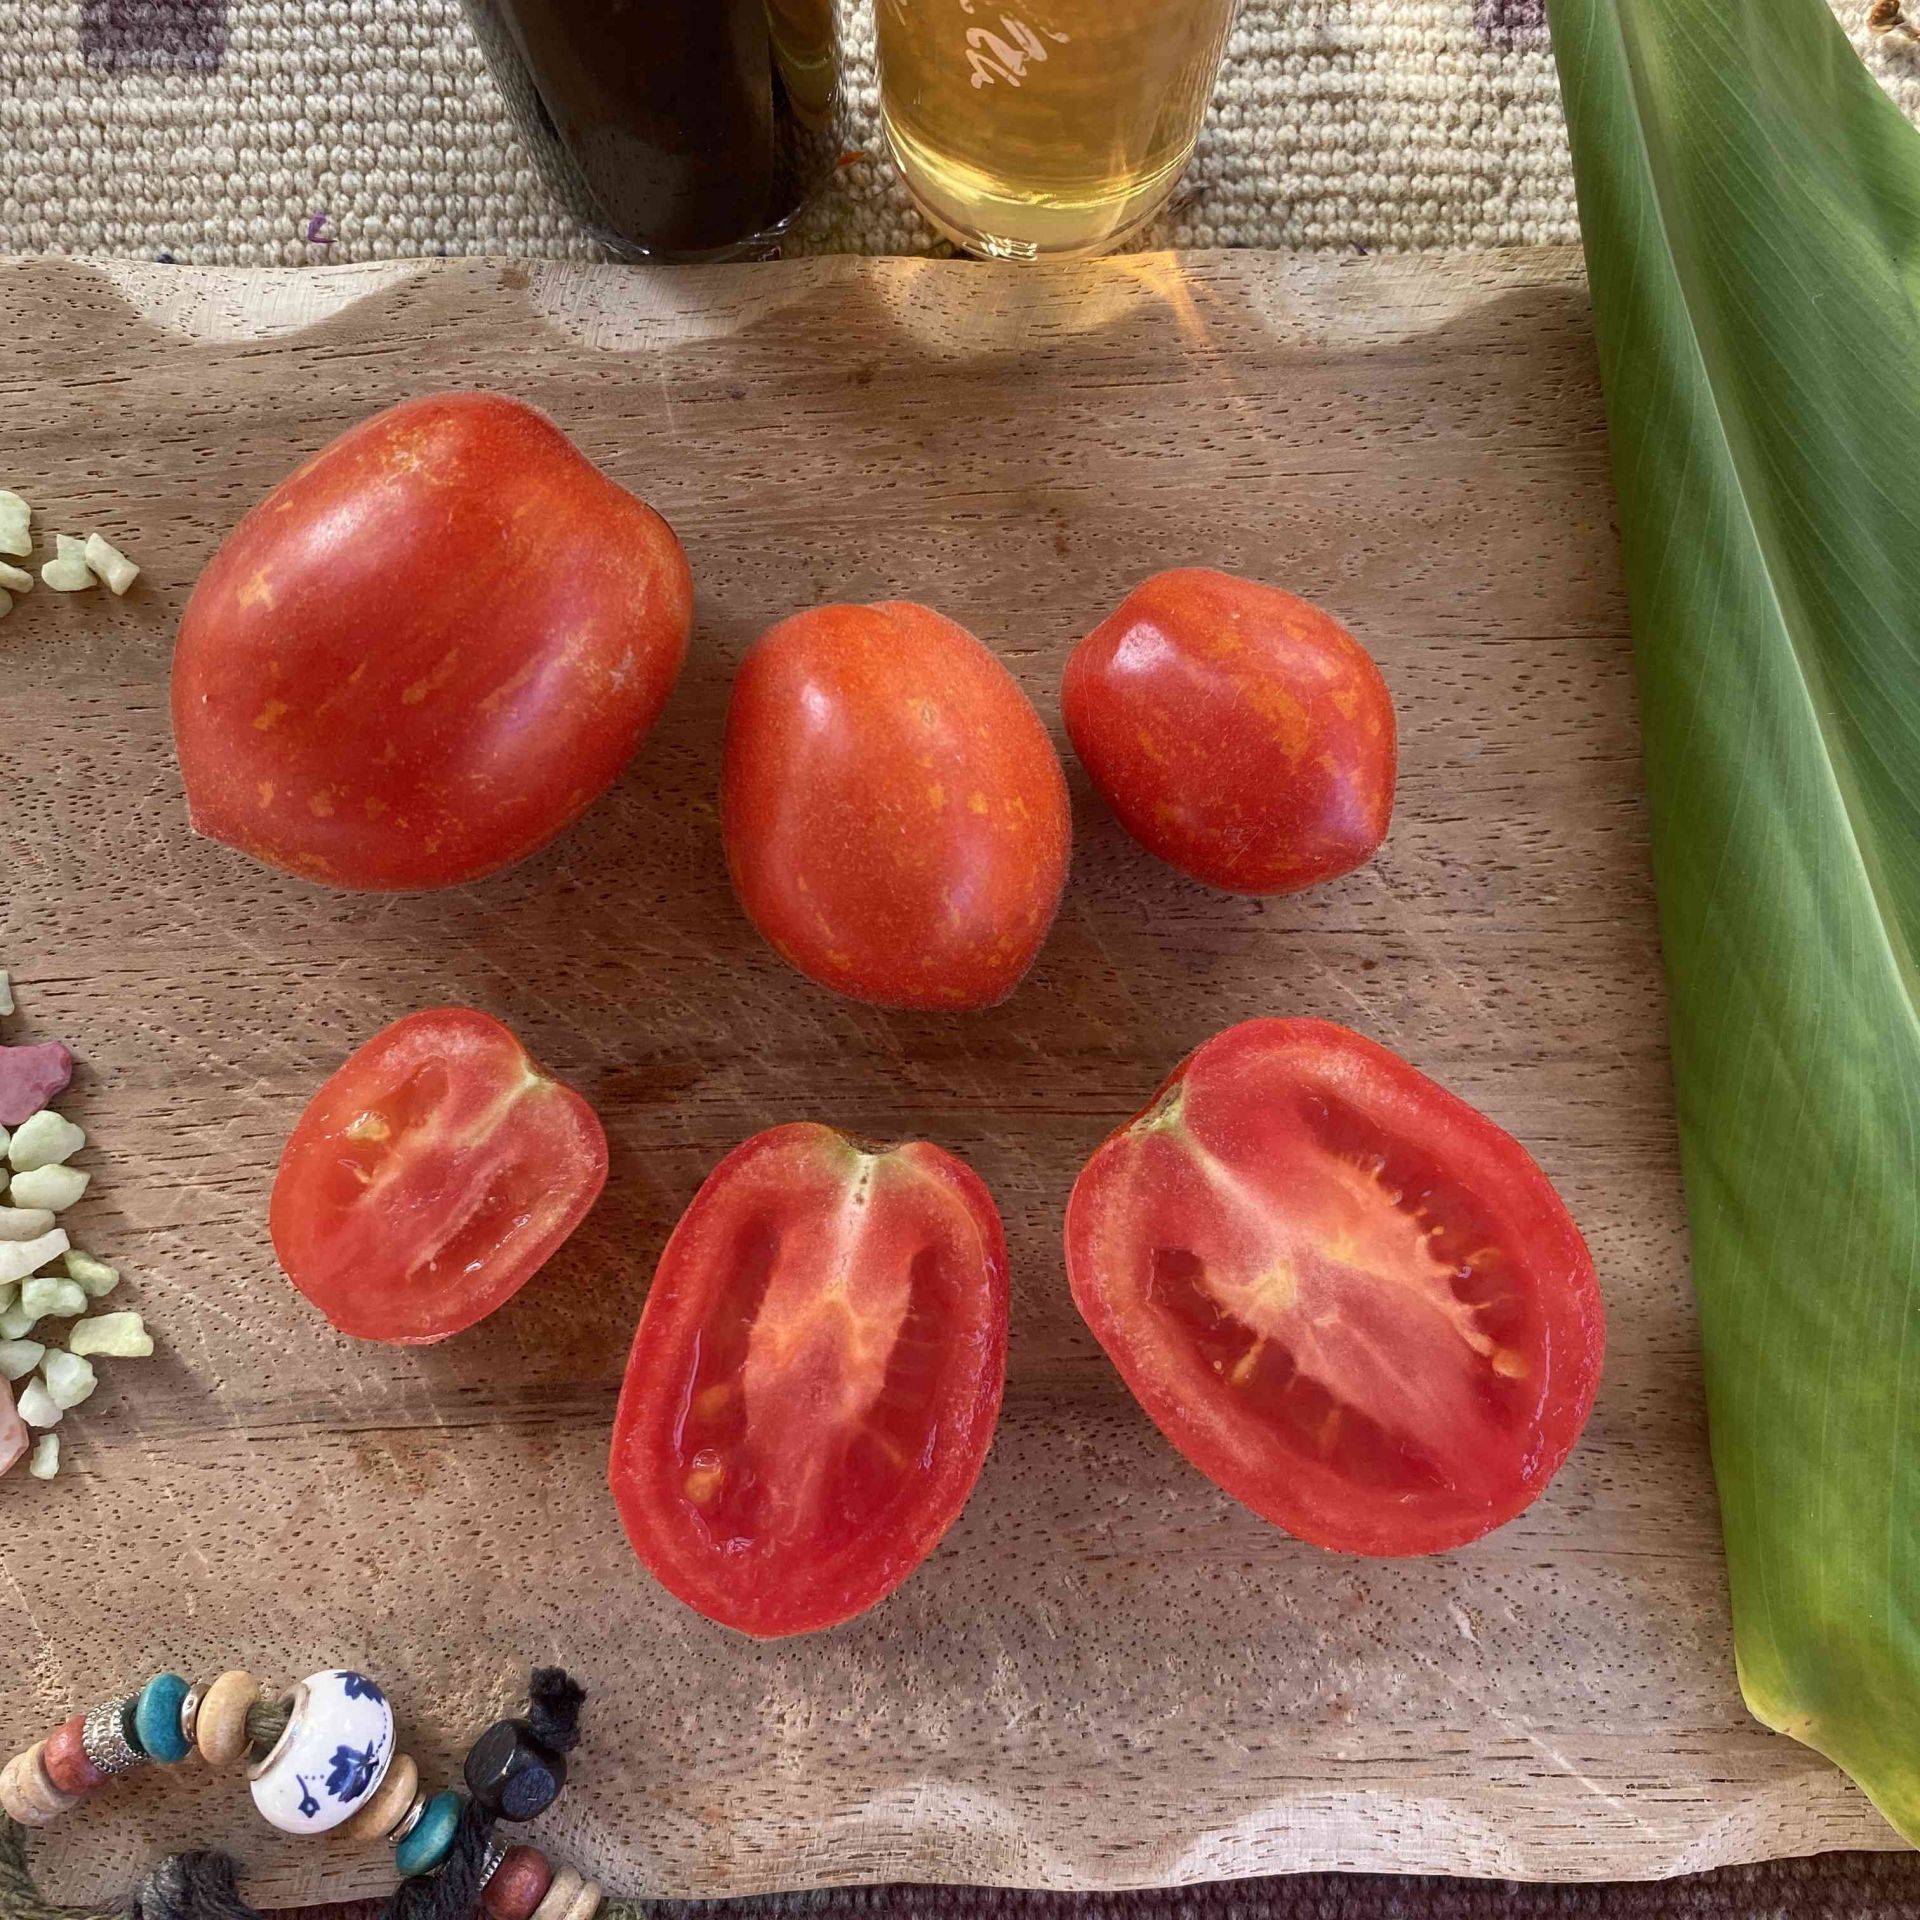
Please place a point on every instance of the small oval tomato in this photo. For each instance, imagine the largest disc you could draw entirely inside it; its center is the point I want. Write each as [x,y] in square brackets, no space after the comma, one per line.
[895,816]
[1239,733]
[431,1177]
[1348,1298]
[815,1379]
[427,651]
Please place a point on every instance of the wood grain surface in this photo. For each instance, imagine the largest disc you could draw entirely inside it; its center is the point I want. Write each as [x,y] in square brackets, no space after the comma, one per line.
[1109,1674]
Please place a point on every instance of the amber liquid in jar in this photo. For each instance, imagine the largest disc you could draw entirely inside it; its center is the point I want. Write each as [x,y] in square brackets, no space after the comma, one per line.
[1031,127]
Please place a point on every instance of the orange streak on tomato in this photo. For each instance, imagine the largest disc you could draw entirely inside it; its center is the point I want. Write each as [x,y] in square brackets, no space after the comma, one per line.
[895,816]
[427,651]
[1238,732]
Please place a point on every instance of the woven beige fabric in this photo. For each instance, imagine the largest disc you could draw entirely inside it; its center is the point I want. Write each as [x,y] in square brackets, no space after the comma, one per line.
[284,132]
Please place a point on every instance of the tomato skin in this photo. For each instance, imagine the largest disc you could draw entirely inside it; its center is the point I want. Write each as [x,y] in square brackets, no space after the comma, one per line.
[1244,1200]
[427,651]
[430,1178]
[896,818]
[1237,731]
[815,1379]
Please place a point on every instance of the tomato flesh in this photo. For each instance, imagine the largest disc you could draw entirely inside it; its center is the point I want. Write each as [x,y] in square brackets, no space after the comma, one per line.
[431,1177]
[815,1378]
[1352,1301]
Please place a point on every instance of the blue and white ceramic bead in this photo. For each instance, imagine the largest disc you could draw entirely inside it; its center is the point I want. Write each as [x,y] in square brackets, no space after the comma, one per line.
[335,1751]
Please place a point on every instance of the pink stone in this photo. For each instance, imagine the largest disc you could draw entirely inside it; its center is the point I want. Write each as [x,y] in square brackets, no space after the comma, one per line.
[30,1077]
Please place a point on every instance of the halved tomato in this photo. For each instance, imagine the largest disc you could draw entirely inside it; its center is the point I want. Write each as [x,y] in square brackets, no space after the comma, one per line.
[431,1177]
[1350,1300]
[815,1379]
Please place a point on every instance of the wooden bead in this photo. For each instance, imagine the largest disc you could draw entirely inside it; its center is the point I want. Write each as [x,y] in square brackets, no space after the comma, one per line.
[388,1804]
[220,1727]
[69,1766]
[586,1903]
[562,1891]
[518,1885]
[27,1794]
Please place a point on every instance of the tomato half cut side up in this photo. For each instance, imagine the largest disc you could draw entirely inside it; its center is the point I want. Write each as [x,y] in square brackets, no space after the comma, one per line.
[1352,1301]
[815,1379]
[431,1177]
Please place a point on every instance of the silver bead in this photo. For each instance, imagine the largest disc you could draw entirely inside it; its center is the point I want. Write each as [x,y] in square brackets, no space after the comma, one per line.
[411,1818]
[190,1710]
[103,1738]
[496,1852]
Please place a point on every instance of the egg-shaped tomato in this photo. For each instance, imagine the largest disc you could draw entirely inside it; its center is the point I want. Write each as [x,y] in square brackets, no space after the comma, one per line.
[1349,1299]
[1239,732]
[426,651]
[431,1177]
[895,815]
[815,1379]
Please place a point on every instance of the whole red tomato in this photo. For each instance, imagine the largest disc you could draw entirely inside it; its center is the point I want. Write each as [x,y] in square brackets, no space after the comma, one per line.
[426,651]
[1240,733]
[1348,1298]
[895,816]
[431,1177]
[815,1379]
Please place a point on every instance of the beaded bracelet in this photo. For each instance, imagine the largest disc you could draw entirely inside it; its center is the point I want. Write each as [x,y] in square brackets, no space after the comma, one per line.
[326,1759]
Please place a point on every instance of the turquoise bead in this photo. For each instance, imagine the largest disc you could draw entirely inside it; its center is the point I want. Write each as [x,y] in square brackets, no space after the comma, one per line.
[427,1846]
[156,1719]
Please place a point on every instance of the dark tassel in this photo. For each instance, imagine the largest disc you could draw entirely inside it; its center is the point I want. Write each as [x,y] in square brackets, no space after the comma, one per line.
[453,1892]
[20,1899]
[191,1886]
[554,1700]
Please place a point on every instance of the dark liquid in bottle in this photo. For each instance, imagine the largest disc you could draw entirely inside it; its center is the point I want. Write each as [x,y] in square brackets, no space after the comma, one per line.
[671,111]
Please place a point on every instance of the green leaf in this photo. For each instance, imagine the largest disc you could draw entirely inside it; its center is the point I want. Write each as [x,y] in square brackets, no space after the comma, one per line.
[1750,203]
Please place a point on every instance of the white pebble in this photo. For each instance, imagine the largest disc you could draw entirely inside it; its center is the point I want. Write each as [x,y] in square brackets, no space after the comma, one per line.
[18,1358]
[16,530]
[15,1320]
[18,1258]
[6,603]
[121,1336]
[25,1223]
[46,1139]
[67,571]
[55,1188]
[110,564]
[6,992]
[37,1407]
[95,1276]
[45,1462]
[70,1378]
[15,579]
[49,1296]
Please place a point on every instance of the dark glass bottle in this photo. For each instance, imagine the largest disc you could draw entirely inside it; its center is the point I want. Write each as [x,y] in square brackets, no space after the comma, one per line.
[673,114]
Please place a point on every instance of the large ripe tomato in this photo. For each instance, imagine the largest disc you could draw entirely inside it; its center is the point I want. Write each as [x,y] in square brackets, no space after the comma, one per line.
[427,651]
[431,1177]
[1239,733]
[896,819]
[815,1379]
[1348,1298]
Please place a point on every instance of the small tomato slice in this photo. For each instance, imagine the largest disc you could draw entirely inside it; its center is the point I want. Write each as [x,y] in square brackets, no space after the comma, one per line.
[815,1379]
[1350,1300]
[431,1177]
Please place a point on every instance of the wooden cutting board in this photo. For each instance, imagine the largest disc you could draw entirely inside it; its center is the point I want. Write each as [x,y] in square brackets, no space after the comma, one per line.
[1109,1674]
